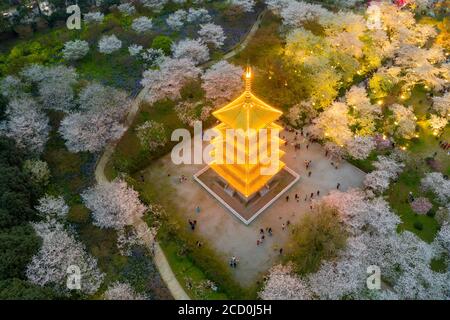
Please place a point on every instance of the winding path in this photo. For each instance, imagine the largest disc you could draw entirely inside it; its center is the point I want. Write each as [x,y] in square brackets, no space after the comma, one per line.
[160,259]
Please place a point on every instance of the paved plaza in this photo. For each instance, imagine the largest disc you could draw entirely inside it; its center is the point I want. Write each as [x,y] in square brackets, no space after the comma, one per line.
[227,234]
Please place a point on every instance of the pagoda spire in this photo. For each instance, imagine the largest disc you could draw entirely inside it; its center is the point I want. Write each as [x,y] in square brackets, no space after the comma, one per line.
[248,79]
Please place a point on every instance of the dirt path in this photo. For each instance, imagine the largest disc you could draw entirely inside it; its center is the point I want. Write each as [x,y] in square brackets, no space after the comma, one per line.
[160,259]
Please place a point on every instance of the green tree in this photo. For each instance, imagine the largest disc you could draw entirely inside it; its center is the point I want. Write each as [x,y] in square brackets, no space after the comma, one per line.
[13,289]
[17,246]
[318,236]
[162,42]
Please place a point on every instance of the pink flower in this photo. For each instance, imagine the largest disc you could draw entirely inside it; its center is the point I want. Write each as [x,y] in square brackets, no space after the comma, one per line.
[421,205]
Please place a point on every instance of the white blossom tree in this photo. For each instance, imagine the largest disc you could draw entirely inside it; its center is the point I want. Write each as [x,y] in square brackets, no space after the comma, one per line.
[59,251]
[98,98]
[295,13]
[94,17]
[26,124]
[222,82]
[177,19]
[37,170]
[437,123]
[89,131]
[244,5]
[12,87]
[172,75]
[142,24]
[55,85]
[211,33]
[333,124]
[109,44]
[75,50]
[404,120]
[191,49]
[135,49]
[113,205]
[387,169]
[151,135]
[126,8]
[197,15]
[442,104]
[360,147]
[153,57]
[284,284]
[122,291]
[51,206]
[436,183]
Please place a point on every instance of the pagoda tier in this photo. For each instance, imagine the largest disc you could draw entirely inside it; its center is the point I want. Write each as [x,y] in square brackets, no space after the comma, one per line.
[247,116]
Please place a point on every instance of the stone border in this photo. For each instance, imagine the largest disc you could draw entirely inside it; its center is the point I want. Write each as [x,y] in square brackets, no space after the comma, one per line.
[254,216]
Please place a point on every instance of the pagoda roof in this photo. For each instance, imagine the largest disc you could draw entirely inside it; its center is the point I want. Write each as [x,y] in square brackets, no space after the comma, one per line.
[247,111]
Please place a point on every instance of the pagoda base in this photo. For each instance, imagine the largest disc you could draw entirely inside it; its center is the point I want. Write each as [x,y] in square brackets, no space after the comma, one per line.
[246,209]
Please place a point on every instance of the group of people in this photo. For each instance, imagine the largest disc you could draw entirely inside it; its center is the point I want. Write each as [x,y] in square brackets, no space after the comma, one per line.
[183,178]
[262,235]
[193,224]
[444,145]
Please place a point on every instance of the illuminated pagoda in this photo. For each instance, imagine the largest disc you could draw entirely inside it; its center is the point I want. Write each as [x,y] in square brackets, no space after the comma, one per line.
[247,115]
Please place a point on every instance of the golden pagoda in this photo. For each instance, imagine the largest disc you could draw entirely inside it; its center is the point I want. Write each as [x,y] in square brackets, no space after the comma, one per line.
[248,116]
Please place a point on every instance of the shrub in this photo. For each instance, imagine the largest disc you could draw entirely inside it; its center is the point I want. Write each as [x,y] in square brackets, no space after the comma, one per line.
[418,225]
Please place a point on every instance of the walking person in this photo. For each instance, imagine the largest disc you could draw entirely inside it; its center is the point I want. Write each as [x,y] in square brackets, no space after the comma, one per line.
[338,185]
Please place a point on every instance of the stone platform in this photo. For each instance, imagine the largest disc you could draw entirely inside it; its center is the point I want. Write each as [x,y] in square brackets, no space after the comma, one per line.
[246,211]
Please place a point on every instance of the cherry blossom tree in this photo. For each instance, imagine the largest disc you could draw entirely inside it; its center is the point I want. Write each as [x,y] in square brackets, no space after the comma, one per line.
[443,238]
[142,24]
[98,121]
[113,205]
[55,85]
[211,33]
[437,123]
[151,135]
[89,131]
[295,13]
[94,17]
[222,82]
[442,104]
[387,169]
[155,5]
[177,19]
[37,170]
[190,112]
[284,284]
[75,50]
[126,8]
[12,87]
[360,147]
[197,15]
[421,205]
[98,98]
[418,66]
[436,183]
[172,75]
[26,124]
[121,291]
[245,5]
[51,206]
[135,49]
[333,124]
[194,50]
[59,251]
[153,57]
[109,44]
[404,120]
